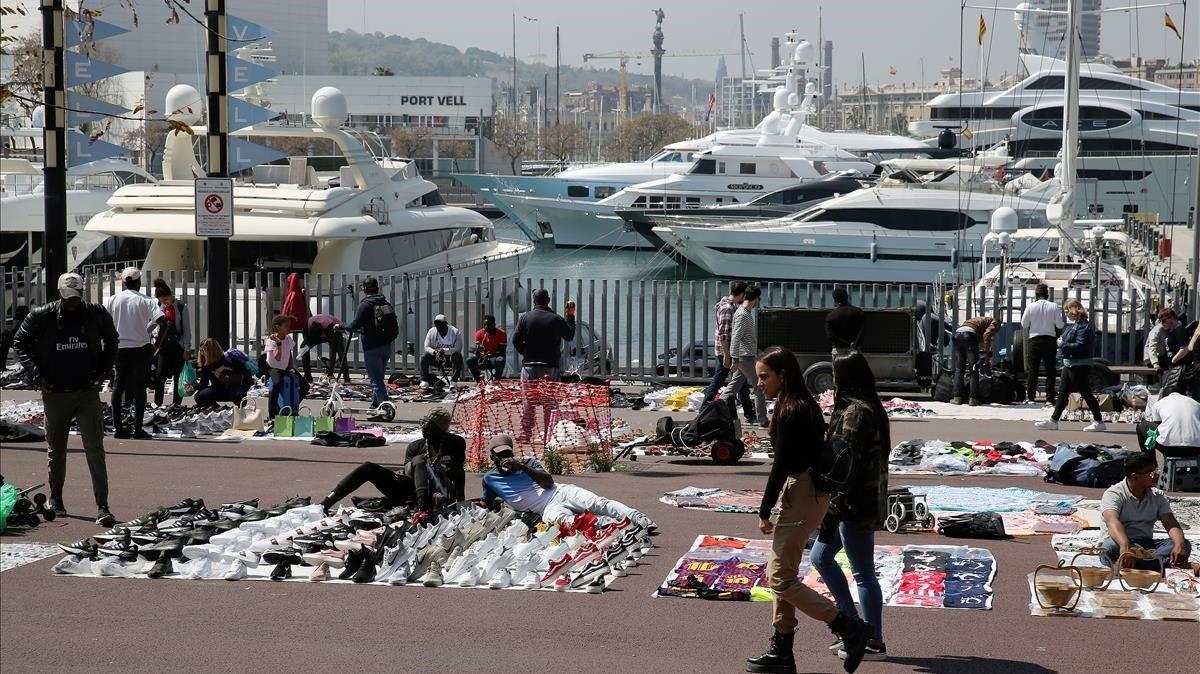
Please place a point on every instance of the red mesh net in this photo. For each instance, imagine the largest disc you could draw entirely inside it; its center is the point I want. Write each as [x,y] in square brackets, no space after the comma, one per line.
[575,420]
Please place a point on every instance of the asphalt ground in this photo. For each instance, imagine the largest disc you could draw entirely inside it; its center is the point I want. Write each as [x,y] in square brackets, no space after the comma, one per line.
[50,623]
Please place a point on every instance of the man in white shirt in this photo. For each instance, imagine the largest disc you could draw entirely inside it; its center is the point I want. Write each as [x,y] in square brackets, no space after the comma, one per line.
[1176,421]
[443,344]
[1041,322]
[134,314]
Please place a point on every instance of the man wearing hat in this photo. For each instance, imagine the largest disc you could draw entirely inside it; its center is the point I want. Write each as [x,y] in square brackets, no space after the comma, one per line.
[435,465]
[134,314]
[437,461]
[443,345]
[67,349]
[525,486]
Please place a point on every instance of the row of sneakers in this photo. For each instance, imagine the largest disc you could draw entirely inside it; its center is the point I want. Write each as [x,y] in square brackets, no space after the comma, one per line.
[191,422]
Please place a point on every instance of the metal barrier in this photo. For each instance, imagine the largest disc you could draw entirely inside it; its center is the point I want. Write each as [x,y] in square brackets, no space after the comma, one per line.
[628,329]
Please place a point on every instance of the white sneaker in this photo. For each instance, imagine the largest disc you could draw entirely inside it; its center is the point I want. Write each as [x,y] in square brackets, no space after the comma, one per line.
[1095,426]
[461,564]
[432,577]
[469,578]
[1046,425]
[237,571]
[501,579]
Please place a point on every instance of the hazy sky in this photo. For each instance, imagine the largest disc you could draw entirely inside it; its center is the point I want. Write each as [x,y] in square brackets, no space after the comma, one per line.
[891,33]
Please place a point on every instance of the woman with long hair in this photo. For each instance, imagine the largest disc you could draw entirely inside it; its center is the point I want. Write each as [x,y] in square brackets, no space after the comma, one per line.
[797,432]
[856,513]
[1077,345]
[173,351]
[219,379]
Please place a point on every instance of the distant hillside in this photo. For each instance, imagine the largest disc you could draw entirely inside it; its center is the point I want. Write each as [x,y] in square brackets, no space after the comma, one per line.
[352,53]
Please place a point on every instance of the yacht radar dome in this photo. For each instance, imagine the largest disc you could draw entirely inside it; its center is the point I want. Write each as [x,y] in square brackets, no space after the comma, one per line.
[805,52]
[1004,221]
[38,117]
[329,108]
[184,104]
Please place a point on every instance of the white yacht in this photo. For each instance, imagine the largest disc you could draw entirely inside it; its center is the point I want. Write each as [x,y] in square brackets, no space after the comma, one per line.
[1137,138]
[23,203]
[370,217]
[525,199]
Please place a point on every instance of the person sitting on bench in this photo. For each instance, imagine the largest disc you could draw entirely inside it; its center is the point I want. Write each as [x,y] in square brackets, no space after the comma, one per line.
[1176,419]
[526,487]
[443,346]
[491,349]
[1130,508]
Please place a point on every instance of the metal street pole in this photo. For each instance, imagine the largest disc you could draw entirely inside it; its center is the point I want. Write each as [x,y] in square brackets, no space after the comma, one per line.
[1194,306]
[557,73]
[54,141]
[217,254]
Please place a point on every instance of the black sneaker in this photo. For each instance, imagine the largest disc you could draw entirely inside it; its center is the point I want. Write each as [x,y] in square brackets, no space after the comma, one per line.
[85,548]
[56,505]
[162,567]
[186,507]
[122,434]
[873,653]
[141,434]
[105,518]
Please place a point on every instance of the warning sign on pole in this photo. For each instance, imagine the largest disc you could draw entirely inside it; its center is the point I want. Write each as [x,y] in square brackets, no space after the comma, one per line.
[214,207]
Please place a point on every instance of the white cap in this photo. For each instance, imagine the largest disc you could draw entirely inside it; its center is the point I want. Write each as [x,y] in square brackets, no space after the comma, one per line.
[70,285]
[131,274]
[440,318]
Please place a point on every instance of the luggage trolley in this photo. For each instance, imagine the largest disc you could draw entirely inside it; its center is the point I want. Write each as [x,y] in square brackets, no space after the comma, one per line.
[906,509]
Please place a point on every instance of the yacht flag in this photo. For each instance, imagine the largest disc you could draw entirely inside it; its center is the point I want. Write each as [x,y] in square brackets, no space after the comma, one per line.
[982,29]
[708,107]
[1171,24]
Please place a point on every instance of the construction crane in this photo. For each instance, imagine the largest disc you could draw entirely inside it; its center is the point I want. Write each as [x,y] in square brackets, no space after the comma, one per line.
[624,57]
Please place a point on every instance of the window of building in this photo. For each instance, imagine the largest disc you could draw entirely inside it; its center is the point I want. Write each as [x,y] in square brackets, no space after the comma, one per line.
[720,167]
[747,168]
[579,191]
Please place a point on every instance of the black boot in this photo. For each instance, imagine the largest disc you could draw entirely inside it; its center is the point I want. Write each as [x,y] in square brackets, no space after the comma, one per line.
[354,559]
[366,567]
[162,567]
[778,659]
[855,634]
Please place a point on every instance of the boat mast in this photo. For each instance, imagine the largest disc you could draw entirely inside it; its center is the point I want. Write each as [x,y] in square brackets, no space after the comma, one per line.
[1070,143]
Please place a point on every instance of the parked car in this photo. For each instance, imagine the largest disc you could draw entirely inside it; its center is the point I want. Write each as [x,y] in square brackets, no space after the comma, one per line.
[698,359]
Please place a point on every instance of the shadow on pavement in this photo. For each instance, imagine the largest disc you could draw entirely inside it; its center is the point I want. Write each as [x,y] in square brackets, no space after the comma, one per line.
[953,664]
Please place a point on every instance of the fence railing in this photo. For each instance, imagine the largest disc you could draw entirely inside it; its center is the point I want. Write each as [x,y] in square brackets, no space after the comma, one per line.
[628,329]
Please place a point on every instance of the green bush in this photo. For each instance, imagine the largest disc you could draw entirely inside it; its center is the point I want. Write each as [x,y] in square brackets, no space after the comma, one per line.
[553,462]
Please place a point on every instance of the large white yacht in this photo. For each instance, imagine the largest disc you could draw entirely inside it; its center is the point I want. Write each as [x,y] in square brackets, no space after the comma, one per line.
[1137,138]
[370,217]
[23,203]
[524,199]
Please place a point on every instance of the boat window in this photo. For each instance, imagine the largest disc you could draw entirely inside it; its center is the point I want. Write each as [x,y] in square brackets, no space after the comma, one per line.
[904,219]
[673,201]
[655,201]
[720,167]
[704,167]
[747,168]
[254,256]
[577,191]
[1112,174]
[693,201]
[115,250]
[433,198]
[603,192]
[640,201]
[1049,147]
[382,253]
[941,112]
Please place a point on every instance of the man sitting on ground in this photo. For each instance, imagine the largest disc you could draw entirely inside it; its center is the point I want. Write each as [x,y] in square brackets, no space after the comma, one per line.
[1130,509]
[1176,420]
[443,347]
[491,348]
[526,487]
[423,479]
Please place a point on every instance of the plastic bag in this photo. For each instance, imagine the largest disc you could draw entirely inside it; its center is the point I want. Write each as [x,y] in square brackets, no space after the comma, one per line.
[186,385]
[8,497]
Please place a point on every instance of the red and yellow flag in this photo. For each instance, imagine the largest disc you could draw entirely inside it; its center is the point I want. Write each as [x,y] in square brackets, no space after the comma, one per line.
[891,70]
[1171,24]
[982,29]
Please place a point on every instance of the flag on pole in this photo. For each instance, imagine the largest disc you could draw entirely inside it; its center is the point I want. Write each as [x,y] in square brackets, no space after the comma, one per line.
[1171,24]
[982,29]
[891,70]
[708,107]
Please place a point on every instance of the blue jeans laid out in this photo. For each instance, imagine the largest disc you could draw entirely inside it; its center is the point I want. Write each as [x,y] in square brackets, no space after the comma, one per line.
[860,551]
[376,363]
[1162,548]
[718,382]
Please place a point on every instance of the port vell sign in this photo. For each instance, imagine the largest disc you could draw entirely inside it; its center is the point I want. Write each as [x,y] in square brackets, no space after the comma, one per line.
[433,100]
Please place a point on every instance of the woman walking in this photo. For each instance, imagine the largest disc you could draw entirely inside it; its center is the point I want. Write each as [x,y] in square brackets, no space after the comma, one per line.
[797,432]
[1076,345]
[858,512]
[173,352]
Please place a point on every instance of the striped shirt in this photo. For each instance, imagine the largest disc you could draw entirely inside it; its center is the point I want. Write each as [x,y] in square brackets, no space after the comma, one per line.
[743,342]
[725,309]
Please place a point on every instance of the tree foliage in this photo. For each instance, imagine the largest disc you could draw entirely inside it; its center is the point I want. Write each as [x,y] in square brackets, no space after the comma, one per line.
[148,139]
[514,139]
[411,141]
[639,137]
[563,141]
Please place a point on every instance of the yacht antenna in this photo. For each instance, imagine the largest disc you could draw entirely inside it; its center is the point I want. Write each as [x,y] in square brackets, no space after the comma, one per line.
[1062,212]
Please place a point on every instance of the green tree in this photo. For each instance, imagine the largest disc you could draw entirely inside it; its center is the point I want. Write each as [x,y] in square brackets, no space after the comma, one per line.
[411,141]
[563,141]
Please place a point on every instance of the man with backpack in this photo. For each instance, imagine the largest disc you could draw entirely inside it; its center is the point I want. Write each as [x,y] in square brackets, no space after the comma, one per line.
[376,319]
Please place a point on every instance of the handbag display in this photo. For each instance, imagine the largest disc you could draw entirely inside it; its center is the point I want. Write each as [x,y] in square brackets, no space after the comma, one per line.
[304,424]
[247,417]
[285,424]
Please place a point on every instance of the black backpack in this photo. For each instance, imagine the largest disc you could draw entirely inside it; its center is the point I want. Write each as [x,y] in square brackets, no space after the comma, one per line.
[972,525]
[387,326]
[833,466]
[943,389]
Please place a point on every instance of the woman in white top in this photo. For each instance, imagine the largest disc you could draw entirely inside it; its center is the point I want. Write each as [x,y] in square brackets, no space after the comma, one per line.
[279,362]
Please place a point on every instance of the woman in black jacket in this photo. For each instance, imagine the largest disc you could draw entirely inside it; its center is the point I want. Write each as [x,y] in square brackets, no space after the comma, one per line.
[858,512]
[220,379]
[797,433]
[1077,346]
[173,351]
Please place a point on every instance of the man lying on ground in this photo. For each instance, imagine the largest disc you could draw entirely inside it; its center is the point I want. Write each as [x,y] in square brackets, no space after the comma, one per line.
[1130,508]
[526,487]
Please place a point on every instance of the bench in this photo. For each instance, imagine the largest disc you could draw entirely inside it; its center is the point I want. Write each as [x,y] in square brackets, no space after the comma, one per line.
[1140,373]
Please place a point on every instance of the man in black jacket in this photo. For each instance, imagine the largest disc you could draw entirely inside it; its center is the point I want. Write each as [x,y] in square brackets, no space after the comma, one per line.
[844,325]
[376,339]
[538,338]
[68,348]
